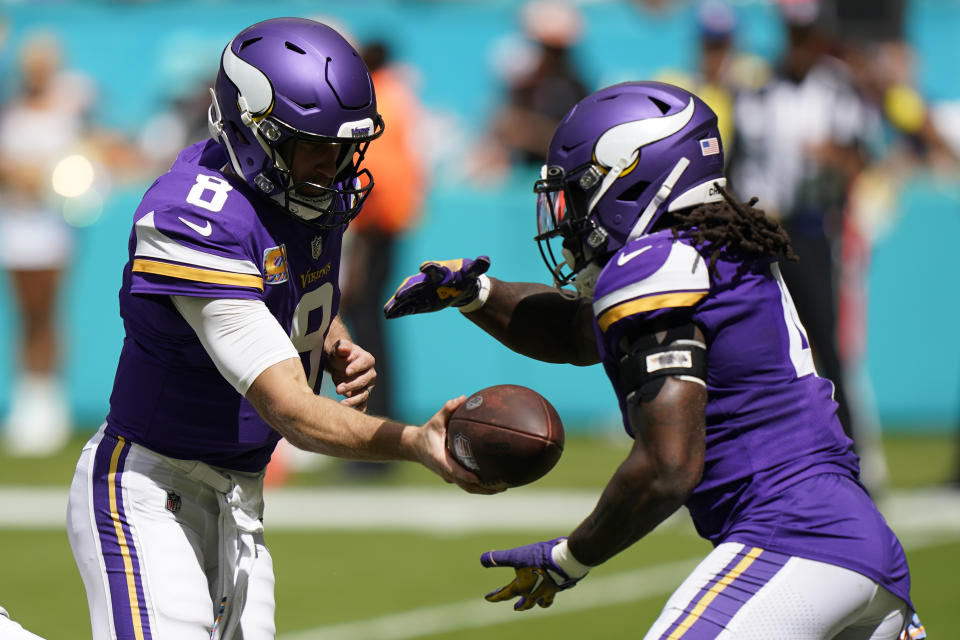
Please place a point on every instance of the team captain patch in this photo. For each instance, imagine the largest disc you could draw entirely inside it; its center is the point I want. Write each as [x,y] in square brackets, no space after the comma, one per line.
[275,265]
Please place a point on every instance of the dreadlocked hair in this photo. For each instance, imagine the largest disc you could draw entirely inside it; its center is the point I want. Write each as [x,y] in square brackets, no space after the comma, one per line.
[734,229]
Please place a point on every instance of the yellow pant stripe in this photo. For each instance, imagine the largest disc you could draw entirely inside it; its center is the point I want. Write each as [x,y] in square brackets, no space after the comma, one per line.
[122,540]
[713,592]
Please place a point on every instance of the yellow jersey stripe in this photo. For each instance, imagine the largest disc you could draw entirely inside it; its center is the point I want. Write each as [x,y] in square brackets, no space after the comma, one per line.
[197,275]
[122,540]
[650,303]
[713,592]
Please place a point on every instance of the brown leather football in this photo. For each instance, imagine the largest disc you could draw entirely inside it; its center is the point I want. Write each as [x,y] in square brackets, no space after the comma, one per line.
[506,433]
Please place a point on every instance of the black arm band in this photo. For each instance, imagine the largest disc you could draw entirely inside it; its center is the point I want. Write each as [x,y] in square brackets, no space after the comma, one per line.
[645,366]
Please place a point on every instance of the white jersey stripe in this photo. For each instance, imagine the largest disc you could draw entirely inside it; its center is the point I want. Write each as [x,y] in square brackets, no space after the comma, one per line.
[152,243]
[684,270]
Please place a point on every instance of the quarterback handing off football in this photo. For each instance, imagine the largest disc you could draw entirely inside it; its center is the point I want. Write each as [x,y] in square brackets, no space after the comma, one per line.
[506,433]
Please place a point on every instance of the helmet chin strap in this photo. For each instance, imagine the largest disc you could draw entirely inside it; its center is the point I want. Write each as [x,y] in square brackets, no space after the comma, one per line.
[662,194]
[586,279]
[608,180]
[253,126]
[308,208]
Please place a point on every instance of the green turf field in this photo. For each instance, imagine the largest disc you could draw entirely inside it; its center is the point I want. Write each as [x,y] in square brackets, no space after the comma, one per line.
[378,584]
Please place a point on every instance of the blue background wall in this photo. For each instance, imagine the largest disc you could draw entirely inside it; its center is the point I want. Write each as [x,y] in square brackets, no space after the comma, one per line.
[140,54]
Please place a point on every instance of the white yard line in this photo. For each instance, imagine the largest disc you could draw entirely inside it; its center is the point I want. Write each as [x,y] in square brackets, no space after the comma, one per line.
[922,511]
[620,588]
[921,518]
[599,592]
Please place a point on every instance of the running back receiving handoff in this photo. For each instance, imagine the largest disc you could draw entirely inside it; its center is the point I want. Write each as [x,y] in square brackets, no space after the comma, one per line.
[679,296]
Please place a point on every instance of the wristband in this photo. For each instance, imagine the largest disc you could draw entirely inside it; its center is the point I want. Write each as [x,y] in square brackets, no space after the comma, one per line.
[483,292]
[563,558]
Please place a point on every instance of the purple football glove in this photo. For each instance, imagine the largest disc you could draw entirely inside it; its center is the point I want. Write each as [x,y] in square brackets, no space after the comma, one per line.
[439,284]
[538,576]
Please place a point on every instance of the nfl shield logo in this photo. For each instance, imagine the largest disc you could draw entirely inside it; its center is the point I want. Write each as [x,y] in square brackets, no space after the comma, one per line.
[463,452]
[316,247]
[173,502]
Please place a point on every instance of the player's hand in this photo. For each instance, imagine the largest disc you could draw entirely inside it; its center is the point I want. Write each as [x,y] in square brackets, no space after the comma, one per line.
[434,455]
[539,575]
[438,285]
[352,370]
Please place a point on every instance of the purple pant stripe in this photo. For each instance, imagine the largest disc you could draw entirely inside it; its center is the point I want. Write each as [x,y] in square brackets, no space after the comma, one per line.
[117,542]
[714,605]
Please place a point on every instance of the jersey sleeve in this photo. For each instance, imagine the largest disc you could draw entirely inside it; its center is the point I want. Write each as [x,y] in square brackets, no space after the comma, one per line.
[242,337]
[649,279]
[189,250]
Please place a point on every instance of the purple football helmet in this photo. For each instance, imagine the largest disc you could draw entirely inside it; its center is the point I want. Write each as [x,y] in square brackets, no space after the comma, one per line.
[290,80]
[621,158]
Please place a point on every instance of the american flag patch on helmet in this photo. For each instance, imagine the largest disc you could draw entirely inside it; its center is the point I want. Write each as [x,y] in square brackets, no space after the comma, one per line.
[709,146]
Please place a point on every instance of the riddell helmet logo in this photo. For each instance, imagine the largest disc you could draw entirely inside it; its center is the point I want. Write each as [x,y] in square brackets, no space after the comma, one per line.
[360,131]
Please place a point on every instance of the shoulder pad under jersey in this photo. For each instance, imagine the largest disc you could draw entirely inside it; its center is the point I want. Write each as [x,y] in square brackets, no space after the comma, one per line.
[195,236]
[650,273]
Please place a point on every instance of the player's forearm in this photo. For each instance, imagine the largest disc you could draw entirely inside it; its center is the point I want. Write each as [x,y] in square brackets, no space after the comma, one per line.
[315,423]
[661,471]
[328,427]
[627,510]
[538,321]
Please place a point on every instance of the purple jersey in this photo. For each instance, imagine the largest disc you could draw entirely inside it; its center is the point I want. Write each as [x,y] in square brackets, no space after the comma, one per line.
[200,232]
[772,434]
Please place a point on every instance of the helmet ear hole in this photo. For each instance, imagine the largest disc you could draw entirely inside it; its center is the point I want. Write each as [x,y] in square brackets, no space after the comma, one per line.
[237,132]
[633,193]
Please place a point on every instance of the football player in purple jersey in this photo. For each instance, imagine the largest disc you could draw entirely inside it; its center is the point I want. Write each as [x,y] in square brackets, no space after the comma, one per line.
[679,296]
[229,302]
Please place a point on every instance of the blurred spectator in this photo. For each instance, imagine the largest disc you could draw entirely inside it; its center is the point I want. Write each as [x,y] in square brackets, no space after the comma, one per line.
[800,141]
[721,70]
[542,85]
[884,69]
[391,210]
[885,74]
[41,126]
[653,5]
[184,73]
[182,123]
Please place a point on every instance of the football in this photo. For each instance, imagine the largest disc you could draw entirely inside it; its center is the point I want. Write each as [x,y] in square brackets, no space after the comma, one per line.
[506,433]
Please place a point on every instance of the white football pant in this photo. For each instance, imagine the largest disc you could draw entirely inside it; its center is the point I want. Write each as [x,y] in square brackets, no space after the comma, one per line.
[747,593]
[169,549]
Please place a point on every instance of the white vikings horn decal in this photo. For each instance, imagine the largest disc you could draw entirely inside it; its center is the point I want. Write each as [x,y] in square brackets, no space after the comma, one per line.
[252,85]
[623,140]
